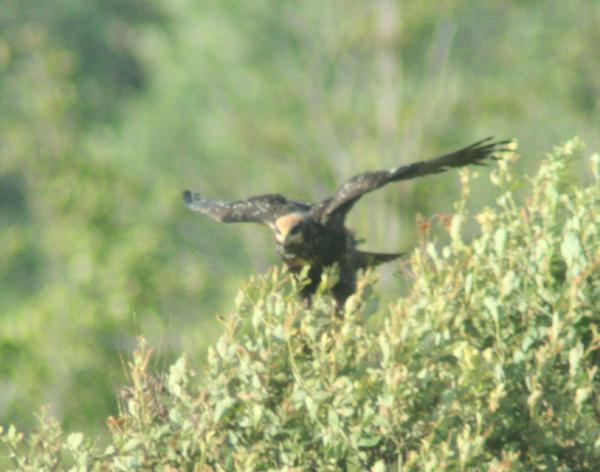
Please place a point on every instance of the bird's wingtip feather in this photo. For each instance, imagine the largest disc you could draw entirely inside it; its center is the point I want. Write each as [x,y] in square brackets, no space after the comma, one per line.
[187,197]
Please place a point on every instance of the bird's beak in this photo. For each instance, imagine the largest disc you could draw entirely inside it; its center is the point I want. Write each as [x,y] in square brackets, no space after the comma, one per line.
[280,238]
[293,238]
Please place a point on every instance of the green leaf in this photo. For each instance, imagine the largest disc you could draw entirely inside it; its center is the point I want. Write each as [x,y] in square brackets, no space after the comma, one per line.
[500,240]
[571,249]
[221,408]
[131,444]
[74,440]
[369,441]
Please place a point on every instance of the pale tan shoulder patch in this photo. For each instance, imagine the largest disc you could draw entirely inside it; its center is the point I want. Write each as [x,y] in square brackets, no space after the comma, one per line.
[284,223]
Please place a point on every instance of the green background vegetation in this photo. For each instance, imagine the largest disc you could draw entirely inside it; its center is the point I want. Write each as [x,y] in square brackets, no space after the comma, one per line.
[108,109]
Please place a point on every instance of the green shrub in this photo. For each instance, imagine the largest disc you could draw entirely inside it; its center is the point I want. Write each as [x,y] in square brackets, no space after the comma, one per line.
[489,363]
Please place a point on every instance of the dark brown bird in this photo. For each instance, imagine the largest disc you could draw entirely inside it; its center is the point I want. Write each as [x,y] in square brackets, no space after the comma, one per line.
[315,235]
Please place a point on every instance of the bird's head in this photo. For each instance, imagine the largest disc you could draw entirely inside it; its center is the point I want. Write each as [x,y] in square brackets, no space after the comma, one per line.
[289,229]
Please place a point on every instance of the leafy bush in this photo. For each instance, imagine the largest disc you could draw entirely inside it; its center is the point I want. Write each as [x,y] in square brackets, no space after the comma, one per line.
[489,363]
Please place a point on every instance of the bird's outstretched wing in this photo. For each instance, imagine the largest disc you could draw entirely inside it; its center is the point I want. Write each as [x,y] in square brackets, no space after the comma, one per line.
[262,209]
[348,194]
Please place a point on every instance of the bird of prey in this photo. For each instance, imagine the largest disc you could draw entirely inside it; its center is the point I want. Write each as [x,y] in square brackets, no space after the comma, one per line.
[315,235]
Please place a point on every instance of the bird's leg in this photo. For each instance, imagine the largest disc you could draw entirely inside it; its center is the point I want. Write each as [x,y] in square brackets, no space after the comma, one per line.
[314,278]
[345,287]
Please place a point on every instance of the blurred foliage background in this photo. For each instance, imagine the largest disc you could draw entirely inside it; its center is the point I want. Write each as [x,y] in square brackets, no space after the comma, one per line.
[109,109]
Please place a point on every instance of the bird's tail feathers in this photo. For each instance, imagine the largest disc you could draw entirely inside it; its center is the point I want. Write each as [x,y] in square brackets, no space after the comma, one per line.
[370,259]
